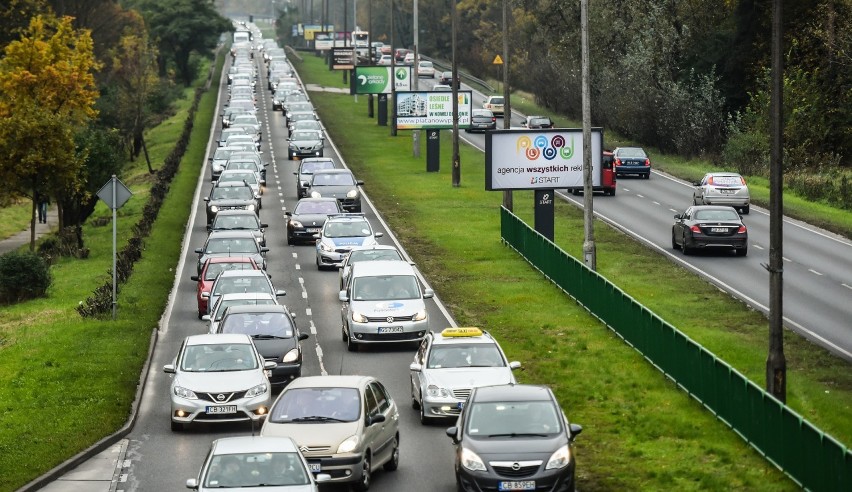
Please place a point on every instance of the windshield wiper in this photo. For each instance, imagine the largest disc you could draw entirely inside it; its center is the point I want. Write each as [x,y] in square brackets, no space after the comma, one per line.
[316,418]
[518,434]
[268,337]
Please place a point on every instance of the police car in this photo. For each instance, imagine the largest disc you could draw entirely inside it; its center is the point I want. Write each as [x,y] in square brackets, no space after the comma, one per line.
[449,364]
[339,235]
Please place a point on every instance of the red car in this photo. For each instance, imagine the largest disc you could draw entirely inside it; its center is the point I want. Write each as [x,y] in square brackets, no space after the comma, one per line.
[211,269]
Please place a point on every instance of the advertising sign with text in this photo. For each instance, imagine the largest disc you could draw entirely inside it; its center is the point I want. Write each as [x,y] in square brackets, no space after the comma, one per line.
[543,159]
[343,58]
[376,80]
[433,109]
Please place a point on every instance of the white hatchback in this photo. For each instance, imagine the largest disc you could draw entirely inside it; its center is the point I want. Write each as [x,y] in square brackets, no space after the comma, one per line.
[722,189]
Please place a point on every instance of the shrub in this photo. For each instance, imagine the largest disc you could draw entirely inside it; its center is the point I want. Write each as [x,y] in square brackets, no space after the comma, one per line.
[23,276]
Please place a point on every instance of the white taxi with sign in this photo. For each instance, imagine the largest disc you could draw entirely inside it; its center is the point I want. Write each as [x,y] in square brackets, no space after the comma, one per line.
[449,364]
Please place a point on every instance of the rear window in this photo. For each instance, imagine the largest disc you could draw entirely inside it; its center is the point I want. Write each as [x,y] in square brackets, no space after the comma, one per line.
[496,100]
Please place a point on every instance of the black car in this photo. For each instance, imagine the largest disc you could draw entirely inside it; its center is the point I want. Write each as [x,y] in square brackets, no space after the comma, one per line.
[239,220]
[305,143]
[446,79]
[708,227]
[534,122]
[231,243]
[308,217]
[230,195]
[339,184]
[481,120]
[274,334]
[307,168]
[513,437]
[632,160]
[297,107]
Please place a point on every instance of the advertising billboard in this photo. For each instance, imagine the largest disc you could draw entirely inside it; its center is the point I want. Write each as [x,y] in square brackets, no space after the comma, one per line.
[431,109]
[539,159]
[377,80]
[343,58]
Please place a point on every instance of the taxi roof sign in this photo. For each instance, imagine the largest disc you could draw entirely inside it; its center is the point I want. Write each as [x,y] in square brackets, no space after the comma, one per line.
[470,331]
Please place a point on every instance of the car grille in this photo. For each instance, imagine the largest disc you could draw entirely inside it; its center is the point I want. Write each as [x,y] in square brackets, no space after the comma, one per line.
[461,393]
[523,470]
[227,396]
[384,319]
[313,450]
[388,337]
[344,250]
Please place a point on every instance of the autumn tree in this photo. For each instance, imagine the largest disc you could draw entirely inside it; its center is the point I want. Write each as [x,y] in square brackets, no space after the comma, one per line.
[47,92]
[15,16]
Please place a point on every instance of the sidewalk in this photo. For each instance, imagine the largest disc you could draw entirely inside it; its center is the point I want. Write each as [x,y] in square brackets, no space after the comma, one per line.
[23,238]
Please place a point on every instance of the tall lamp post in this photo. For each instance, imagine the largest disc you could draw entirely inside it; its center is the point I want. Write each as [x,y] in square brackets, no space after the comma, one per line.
[589,249]
[455,86]
[415,135]
[508,201]
[393,72]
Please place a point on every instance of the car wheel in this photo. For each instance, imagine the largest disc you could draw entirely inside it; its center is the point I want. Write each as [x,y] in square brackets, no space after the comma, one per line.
[686,249]
[414,403]
[742,251]
[695,200]
[364,484]
[393,462]
[177,426]
[350,345]
[424,420]
[745,210]
[675,245]
[289,240]
[647,176]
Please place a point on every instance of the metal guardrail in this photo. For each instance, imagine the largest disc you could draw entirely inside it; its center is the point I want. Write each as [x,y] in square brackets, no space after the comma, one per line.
[462,75]
[810,457]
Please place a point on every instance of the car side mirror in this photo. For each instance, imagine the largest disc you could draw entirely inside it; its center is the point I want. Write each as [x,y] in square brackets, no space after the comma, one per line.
[514,365]
[303,336]
[359,182]
[209,159]
[205,295]
[279,293]
[678,216]
[575,430]
[169,368]
[375,419]
[270,364]
[415,367]
[194,278]
[192,483]
[696,183]
[206,317]
[342,296]
[264,249]
[206,198]
[199,251]
[379,234]
[452,433]
[264,226]
[428,294]
[288,213]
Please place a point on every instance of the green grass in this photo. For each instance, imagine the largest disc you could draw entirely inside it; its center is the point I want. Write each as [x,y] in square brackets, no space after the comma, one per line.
[641,433]
[15,218]
[66,382]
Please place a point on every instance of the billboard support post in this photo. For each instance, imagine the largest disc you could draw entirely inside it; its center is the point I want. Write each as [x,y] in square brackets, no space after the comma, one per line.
[383,110]
[544,213]
[433,150]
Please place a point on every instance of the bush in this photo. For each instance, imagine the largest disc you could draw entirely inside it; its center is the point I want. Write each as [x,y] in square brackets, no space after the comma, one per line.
[23,276]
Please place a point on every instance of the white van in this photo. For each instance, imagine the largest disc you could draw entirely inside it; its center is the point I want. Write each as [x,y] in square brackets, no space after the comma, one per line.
[383,302]
[242,37]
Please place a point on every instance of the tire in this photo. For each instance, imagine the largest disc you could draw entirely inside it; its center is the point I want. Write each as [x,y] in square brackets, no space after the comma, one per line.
[363,484]
[177,426]
[742,251]
[289,240]
[424,420]
[414,403]
[686,249]
[695,201]
[350,345]
[675,245]
[393,463]
[745,210]
[647,176]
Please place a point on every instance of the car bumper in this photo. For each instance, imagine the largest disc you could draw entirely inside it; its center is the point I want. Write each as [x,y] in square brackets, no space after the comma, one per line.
[188,411]
[332,258]
[369,332]
[709,242]
[300,154]
[283,374]
[550,480]
[304,234]
[342,468]
[640,170]
[449,408]
[481,128]
[733,201]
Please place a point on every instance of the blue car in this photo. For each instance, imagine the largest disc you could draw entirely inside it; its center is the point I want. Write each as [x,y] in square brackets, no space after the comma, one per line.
[631,160]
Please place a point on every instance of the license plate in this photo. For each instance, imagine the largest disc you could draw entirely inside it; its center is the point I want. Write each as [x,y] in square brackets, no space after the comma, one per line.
[727,192]
[313,229]
[460,405]
[718,229]
[223,409]
[315,467]
[390,329]
[524,485]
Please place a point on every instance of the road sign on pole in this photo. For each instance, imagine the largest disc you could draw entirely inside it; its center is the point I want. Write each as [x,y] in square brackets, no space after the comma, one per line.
[115,194]
[497,60]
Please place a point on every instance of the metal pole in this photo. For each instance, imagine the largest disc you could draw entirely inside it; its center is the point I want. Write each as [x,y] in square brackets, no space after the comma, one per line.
[114,246]
[415,135]
[776,364]
[370,52]
[589,254]
[508,200]
[455,86]
[393,75]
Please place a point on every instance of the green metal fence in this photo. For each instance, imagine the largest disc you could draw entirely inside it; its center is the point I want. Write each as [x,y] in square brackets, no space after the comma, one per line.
[812,458]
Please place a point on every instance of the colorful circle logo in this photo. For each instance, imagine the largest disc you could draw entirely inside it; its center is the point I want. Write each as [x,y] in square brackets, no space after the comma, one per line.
[542,147]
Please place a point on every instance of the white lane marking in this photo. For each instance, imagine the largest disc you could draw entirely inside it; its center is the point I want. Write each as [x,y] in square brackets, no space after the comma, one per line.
[302,282]
[673,210]
[757,246]
[814,272]
[308,312]
[626,189]
[122,478]
[125,464]
[656,203]
[313,328]
[847,286]
[298,266]
[640,196]
[319,356]
[788,260]
[304,294]
[294,255]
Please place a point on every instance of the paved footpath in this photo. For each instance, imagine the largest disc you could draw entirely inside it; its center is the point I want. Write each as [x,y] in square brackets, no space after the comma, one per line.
[23,238]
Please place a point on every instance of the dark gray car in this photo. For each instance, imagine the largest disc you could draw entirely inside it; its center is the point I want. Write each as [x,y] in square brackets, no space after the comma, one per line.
[305,143]
[230,195]
[231,243]
[306,170]
[339,184]
[308,217]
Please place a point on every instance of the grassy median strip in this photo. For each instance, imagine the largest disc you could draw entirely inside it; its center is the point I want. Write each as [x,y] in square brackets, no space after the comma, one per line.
[641,433]
[66,382]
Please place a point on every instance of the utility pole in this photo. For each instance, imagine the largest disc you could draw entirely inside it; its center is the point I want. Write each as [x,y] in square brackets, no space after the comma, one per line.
[508,200]
[455,86]
[370,52]
[776,364]
[589,254]
[393,74]
[415,135]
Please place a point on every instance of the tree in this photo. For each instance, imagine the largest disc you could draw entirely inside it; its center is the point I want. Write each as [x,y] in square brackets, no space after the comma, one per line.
[15,16]
[47,91]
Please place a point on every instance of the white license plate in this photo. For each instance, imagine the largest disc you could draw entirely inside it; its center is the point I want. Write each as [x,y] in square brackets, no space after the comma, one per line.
[222,409]
[727,192]
[390,329]
[313,229]
[315,467]
[718,229]
[524,485]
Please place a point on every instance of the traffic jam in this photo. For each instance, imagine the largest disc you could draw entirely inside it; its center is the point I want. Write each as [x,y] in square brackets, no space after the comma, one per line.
[311,422]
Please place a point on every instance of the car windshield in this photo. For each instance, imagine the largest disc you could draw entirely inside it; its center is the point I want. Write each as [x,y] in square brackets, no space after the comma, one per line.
[299,107]
[347,229]
[258,325]
[513,418]
[482,112]
[316,405]
[305,135]
[464,355]
[241,165]
[717,215]
[425,64]
[224,304]
[310,167]
[239,285]
[386,287]
[248,176]
[232,245]
[222,154]
[631,152]
[220,357]
[214,269]
[333,179]
[231,193]
[373,255]
[245,120]
[242,221]
[324,207]
[540,122]
[306,122]
[265,469]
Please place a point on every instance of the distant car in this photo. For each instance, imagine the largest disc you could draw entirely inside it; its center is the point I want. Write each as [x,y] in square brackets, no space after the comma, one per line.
[307,168]
[426,69]
[230,195]
[218,378]
[442,87]
[231,243]
[248,164]
[340,234]
[376,252]
[710,227]
[495,104]
[722,189]
[211,269]
[534,122]
[337,183]
[227,301]
[482,120]
[256,463]
[240,220]
[275,335]
[408,59]
[446,78]
[632,160]
[218,161]
[399,54]
[248,120]
[247,176]
[242,282]
[244,139]
[513,437]
[449,364]
[305,143]
[384,60]
[308,217]
[298,107]
[304,121]
[347,426]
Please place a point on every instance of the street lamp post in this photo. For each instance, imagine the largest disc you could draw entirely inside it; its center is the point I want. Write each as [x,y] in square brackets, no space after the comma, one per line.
[589,249]
[393,74]
[508,201]
[455,86]
[415,135]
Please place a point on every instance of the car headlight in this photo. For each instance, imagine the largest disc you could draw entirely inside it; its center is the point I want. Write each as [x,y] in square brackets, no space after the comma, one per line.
[296,223]
[436,392]
[316,194]
[352,194]
[293,146]
[420,316]
[358,317]
[217,168]
[257,390]
[325,247]
[185,393]
[214,208]
[250,207]
[291,356]
[348,445]
[559,459]
[471,461]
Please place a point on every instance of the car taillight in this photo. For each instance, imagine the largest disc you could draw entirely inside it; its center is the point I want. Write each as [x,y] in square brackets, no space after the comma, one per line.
[741,230]
[742,180]
[647,162]
[617,162]
[493,118]
[695,228]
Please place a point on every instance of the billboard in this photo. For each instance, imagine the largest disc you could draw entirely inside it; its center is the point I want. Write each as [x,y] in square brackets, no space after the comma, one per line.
[343,58]
[431,109]
[377,80]
[539,159]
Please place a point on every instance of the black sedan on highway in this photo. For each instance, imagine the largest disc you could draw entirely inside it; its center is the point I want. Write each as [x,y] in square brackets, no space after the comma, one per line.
[308,217]
[231,195]
[710,227]
[482,120]
[305,143]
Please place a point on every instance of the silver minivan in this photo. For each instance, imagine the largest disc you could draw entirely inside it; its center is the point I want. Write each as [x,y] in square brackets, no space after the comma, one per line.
[383,303]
